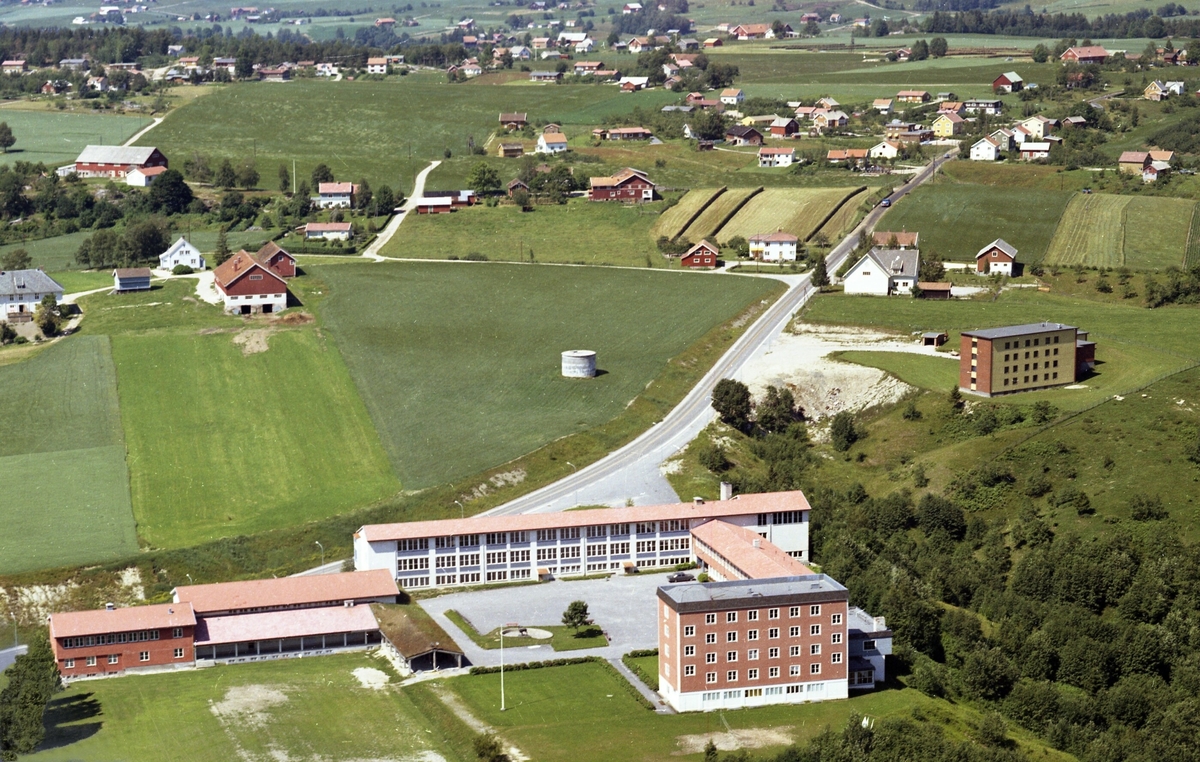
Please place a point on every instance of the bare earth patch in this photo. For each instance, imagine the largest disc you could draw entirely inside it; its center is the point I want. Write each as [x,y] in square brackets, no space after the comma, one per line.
[247,705]
[749,738]
[253,340]
[371,678]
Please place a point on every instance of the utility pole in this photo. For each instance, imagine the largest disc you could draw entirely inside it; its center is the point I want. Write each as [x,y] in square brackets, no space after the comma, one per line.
[293,177]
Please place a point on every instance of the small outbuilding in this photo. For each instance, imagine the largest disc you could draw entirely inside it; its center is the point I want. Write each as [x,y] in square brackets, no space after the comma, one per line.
[934,338]
[934,291]
[143,176]
[131,279]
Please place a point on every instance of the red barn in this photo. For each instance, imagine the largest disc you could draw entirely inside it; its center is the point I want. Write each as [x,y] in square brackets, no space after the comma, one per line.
[1092,54]
[250,286]
[626,185]
[273,256]
[702,255]
[116,161]
[112,640]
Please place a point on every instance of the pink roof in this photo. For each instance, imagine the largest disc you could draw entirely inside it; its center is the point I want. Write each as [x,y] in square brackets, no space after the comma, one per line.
[739,506]
[288,591]
[324,188]
[776,237]
[775,151]
[327,227]
[150,171]
[554,137]
[294,623]
[69,624]
[745,549]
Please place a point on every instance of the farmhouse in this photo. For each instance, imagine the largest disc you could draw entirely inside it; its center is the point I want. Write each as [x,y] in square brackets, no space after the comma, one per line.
[588,67]
[628,185]
[882,105]
[623,133]
[783,128]
[435,205]
[277,259]
[457,197]
[22,290]
[141,178]
[912,96]
[1021,358]
[997,257]
[948,124]
[510,150]
[740,135]
[732,96]
[1159,90]
[824,120]
[335,195]
[1155,171]
[884,272]
[545,76]
[702,255]
[1031,151]
[115,161]
[776,157]
[713,42]
[181,253]
[1092,54]
[892,239]
[552,143]
[952,107]
[985,150]
[513,121]
[248,285]
[851,156]
[13,67]
[1008,82]
[888,149]
[774,247]
[131,279]
[752,31]
[327,231]
[632,84]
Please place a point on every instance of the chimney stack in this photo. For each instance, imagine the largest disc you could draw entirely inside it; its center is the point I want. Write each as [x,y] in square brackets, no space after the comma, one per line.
[698,500]
[726,491]
[758,543]
[109,607]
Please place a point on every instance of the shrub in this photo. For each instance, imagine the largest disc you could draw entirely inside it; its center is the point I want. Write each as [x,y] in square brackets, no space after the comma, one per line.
[1143,508]
[182,270]
[475,256]
[911,413]
[712,456]
[842,431]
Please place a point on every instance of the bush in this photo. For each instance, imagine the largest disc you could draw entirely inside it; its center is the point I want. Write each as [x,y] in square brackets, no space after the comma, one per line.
[842,431]
[182,270]
[1143,508]
[911,413]
[712,456]
[703,577]
[475,256]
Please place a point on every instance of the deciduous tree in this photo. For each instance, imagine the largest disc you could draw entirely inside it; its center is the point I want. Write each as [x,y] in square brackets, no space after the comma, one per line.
[731,400]
[7,139]
[576,615]
[17,259]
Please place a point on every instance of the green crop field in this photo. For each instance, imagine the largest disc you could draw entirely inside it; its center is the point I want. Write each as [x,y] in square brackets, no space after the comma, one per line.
[289,709]
[956,220]
[222,442]
[580,231]
[921,371]
[60,439]
[844,219]
[708,223]
[459,362]
[1090,232]
[673,221]
[1156,231]
[1192,255]
[57,138]
[798,211]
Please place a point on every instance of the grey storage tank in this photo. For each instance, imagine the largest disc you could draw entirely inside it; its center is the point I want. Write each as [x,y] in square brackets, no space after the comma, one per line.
[579,363]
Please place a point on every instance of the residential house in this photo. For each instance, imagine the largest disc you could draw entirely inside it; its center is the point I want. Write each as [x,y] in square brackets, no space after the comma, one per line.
[854,157]
[782,127]
[1008,82]
[335,195]
[774,247]
[623,133]
[732,96]
[882,105]
[540,43]
[275,74]
[1033,151]
[985,150]
[520,53]
[713,42]
[327,231]
[827,120]
[948,124]
[702,255]
[1156,171]
[515,185]
[989,106]
[566,39]
[14,67]
[1039,126]
[1091,54]
[22,290]
[835,18]
[813,17]
[888,149]
[457,197]
[896,239]
[632,84]
[551,143]
[377,65]
[883,272]
[740,135]
[277,259]
[1160,155]
[1133,162]
[1159,90]
[952,107]
[510,150]
[181,253]
[55,86]
[997,257]
[435,205]
[513,121]
[640,45]
[752,31]
[896,127]
[248,285]
[688,43]
[97,84]
[544,76]
[903,54]
[584,68]
[912,96]
[630,8]
[628,185]
[776,157]
[115,161]
[585,46]
[1004,139]
[1074,122]
[131,279]
[75,64]
[827,103]
[228,64]
[471,69]
[141,178]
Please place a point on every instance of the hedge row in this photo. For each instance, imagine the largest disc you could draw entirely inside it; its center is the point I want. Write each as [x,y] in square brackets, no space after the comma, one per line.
[536,665]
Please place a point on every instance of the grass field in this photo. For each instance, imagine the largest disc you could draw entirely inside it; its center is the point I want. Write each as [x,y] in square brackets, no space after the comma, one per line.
[570,713]
[709,222]
[579,232]
[921,371]
[562,638]
[290,709]
[845,218]
[57,138]
[459,363]
[221,442]
[673,221]
[60,438]
[1091,231]
[799,211]
[57,254]
[956,220]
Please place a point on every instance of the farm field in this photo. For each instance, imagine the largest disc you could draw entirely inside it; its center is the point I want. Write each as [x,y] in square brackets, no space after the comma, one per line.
[1157,232]
[302,436]
[710,221]
[568,713]
[799,211]
[672,222]
[60,436]
[459,363]
[956,220]
[578,232]
[288,709]
[1101,230]
[57,138]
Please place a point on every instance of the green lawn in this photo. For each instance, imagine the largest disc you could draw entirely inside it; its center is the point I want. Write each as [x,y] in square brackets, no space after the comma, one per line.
[562,638]
[922,371]
[222,442]
[584,712]
[290,709]
[60,438]
[57,254]
[459,362]
[57,138]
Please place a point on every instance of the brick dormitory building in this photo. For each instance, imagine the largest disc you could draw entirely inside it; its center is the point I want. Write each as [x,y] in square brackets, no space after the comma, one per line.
[1021,358]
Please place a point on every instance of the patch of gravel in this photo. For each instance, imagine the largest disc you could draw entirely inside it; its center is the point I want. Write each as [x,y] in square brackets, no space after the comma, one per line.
[247,705]
[253,340]
[131,581]
[748,738]
[371,678]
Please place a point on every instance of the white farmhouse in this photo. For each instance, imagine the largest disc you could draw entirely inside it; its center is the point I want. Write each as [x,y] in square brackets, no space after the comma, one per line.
[774,247]
[181,253]
[888,149]
[985,150]
[553,142]
[22,290]
[884,272]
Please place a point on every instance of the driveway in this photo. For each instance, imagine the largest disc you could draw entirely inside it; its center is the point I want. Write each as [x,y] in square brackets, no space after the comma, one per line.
[625,606]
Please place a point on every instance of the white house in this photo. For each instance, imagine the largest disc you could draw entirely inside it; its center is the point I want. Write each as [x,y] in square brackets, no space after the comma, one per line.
[181,253]
[883,272]
[888,149]
[732,96]
[553,142]
[377,65]
[985,150]
[334,195]
[327,231]
[776,157]
[22,290]
[143,176]
[585,45]
[774,247]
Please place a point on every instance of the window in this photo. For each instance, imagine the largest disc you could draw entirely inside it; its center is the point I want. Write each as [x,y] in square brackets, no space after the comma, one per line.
[91,661]
[835,658]
[772,613]
[814,669]
[731,676]
[547,554]
[710,618]
[597,531]
[836,619]
[710,658]
[620,529]
[752,674]
[794,612]
[710,637]
[113,658]
[597,550]
[773,672]
[793,632]
[710,677]
[407,545]
[814,611]
[570,533]
[752,616]
[689,670]
[497,538]
[752,635]
[547,535]
[255,277]
[70,664]
[689,650]
[752,654]
[731,636]
[731,616]
[814,629]
[177,632]
[571,551]
[689,630]
[773,633]
[794,670]
[814,649]
[794,651]
[773,653]
[731,656]
[520,555]
[468,540]
[500,557]
[837,638]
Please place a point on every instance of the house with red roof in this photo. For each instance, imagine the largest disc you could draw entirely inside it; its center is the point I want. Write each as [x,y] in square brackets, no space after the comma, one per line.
[628,185]
[703,255]
[1091,54]
[774,247]
[255,283]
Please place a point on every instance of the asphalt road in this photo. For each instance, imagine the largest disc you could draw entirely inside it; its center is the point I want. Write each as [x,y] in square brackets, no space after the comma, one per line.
[632,472]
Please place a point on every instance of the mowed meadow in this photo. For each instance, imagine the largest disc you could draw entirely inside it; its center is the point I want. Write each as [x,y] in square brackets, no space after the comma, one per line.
[57,138]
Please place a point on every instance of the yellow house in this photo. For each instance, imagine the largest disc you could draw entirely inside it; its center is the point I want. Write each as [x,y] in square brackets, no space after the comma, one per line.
[948,124]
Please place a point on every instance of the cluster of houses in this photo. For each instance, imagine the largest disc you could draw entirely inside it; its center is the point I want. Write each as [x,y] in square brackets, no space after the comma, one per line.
[550,141]
[764,247]
[1152,165]
[892,267]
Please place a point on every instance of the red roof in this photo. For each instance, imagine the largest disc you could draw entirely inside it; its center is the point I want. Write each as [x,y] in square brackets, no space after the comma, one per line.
[335,188]
[69,624]
[294,623]
[748,552]
[776,237]
[1091,51]
[238,265]
[150,171]
[741,505]
[288,591]
[775,151]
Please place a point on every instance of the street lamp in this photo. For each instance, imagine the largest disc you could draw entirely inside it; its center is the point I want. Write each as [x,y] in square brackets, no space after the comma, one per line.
[501,669]
[462,511]
[322,547]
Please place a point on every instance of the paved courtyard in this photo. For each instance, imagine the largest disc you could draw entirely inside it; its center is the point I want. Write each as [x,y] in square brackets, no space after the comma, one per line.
[624,607]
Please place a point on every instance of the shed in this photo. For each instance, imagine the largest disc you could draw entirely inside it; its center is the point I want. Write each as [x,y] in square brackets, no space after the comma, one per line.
[934,338]
[416,638]
[934,291]
[131,279]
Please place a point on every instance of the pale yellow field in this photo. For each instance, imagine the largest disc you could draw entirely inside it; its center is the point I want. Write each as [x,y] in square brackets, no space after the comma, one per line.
[1090,232]
[707,223]
[672,222]
[798,211]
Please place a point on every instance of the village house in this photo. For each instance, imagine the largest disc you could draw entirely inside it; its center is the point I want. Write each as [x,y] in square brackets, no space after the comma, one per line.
[776,157]
[275,74]
[628,185]
[989,106]
[1092,54]
[1072,122]
[740,135]
[545,76]
[131,279]
[957,108]
[752,31]
[883,272]
[142,178]
[997,257]
[632,84]
[1004,139]
[22,290]
[702,255]
[1156,171]
[335,195]
[782,127]
[585,46]
[623,133]
[583,68]
[826,120]
[1133,162]
[827,103]
[732,96]
[1159,90]
[55,86]
[912,96]
[713,42]
[1008,82]
[13,67]
[377,65]
[114,161]
[510,150]
[882,105]
[1039,126]
[554,142]
[855,157]
[255,283]
[326,231]
[181,253]
[1022,358]
[513,121]
[948,124]
[896,239]
[888,149]
[774,247]
[435,205]
[1033,151]
[985,150]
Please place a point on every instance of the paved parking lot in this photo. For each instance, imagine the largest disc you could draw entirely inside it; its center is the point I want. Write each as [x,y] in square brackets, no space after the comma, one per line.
[624,606]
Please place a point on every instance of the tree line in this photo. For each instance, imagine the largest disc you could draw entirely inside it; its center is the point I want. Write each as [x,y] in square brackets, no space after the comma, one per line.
[1139,23]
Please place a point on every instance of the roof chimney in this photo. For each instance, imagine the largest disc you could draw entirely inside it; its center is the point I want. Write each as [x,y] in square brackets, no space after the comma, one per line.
[698,500]
[109,607]
[758,543]
[726,490]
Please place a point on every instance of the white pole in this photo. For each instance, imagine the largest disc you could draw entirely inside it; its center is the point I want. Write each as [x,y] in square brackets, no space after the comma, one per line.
[502,669]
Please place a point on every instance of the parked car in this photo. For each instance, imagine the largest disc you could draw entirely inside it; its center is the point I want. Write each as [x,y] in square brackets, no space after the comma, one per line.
[680,577]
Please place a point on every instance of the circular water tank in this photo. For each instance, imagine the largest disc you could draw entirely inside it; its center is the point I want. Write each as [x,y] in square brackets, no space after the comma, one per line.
[579,363]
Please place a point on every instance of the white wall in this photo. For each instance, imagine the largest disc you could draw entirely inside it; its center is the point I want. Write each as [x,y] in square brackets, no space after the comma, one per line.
[866,277]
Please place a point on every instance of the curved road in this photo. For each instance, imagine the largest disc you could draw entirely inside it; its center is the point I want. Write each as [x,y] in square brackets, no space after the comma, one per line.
[633,470]
[385,235]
